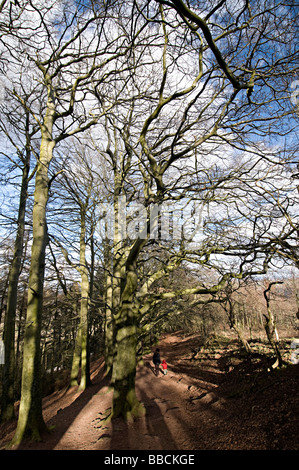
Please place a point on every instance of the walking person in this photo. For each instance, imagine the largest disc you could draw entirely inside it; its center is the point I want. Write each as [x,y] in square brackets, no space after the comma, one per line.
[157,361]
[164,367]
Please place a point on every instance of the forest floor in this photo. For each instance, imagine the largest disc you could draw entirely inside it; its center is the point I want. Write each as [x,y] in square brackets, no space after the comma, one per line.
[219,400]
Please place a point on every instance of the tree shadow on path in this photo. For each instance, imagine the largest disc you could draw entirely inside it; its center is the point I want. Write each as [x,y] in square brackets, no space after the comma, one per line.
[149,432]
[64,417]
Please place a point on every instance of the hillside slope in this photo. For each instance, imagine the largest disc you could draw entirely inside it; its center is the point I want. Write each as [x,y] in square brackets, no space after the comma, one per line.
[217,401]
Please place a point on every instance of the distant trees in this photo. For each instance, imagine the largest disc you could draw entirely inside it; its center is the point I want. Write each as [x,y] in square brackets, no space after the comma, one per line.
[180,120]
[76,210]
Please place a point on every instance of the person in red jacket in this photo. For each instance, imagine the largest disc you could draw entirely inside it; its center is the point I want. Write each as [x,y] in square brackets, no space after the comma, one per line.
[164,367]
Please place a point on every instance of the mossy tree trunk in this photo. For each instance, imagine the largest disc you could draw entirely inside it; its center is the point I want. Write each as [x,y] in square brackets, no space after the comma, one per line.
[125,402]
[30,418]
[114,267]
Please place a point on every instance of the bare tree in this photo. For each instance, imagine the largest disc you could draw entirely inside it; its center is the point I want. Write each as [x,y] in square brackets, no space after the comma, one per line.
[270,325]
[19,133]
[191,108]
[78,187]
[198,141]
[70,52]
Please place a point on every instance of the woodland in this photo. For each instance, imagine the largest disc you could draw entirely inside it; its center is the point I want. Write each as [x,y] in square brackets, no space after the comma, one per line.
[148,186]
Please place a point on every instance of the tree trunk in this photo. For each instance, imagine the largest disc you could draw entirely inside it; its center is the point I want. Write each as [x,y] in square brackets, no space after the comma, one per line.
[81,347]
[270,327]
[108,325]
[108,308]
[30,413]
[242,338]
[230,308]
[125,402]
[76,358]
[270,331]
[85,375]
[7,399]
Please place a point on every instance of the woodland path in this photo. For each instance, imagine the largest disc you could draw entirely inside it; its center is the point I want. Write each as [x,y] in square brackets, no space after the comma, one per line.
[194,407]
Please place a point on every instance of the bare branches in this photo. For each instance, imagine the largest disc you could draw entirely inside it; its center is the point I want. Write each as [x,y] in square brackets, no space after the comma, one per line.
[197,22]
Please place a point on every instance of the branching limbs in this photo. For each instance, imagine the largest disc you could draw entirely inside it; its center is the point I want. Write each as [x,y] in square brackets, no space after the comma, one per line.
[195,22]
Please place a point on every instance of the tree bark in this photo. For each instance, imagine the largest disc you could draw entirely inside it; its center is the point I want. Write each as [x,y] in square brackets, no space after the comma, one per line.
[85,375]
[30,418]
[76,358]
[108,324]
[7,400]
[125,402]
[30,414]
[81,347]
[270,327]
[242,338]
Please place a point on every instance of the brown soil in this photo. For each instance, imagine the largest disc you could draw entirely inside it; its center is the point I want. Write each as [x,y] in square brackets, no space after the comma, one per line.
[217,401]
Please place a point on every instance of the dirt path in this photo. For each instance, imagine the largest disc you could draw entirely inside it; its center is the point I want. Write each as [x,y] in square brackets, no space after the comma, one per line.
[188,409]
